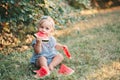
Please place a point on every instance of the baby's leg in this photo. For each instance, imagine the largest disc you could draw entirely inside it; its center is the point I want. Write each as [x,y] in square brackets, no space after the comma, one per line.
[56,60]
[44,69]
[42,61]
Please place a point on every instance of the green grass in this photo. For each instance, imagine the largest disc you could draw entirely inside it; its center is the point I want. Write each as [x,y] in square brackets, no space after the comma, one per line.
[94,53]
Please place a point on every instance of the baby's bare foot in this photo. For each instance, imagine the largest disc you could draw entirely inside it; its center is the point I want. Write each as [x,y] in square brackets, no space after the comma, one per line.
[51,67]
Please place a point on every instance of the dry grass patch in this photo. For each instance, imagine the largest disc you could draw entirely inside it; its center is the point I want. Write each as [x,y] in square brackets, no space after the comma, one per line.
[106,72]
[95,21]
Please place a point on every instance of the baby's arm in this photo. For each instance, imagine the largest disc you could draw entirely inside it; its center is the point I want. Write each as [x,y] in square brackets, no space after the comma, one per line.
[37,46]
[59,46]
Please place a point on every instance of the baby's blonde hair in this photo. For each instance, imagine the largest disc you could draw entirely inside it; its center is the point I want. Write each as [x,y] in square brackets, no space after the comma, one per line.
[46,19]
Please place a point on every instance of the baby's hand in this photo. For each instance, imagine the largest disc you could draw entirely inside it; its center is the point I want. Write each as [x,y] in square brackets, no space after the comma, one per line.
[37,46]
[38,41]
[64,46]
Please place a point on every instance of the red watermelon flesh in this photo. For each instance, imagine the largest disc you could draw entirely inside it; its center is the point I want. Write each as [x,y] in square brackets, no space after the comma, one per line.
[42,72]
[67,53]
[41,35]
[65,70]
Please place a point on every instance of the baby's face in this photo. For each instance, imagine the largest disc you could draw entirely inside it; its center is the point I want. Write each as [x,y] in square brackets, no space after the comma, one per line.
[45,28]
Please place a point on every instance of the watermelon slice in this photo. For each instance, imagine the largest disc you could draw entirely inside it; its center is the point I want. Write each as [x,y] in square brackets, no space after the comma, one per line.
[42,72]
[65,70]
[67,53]
[41,35]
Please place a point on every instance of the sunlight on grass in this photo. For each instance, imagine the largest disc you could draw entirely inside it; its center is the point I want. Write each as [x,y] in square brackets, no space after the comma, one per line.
[95,11]
[108,72]
[90,23]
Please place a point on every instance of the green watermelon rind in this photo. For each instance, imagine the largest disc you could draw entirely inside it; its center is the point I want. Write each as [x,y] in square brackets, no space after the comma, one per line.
[43,40]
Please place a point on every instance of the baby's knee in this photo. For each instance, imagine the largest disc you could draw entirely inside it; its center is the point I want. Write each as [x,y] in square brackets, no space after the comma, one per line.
[61,56]
[42,58]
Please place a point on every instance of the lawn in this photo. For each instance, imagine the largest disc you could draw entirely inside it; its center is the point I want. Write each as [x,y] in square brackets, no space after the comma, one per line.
[95,56]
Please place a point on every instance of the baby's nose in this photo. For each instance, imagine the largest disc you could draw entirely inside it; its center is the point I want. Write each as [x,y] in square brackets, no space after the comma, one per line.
[43,29]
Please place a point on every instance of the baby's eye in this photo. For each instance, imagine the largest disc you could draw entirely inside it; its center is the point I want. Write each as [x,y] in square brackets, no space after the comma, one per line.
[47,28]
[41,27]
